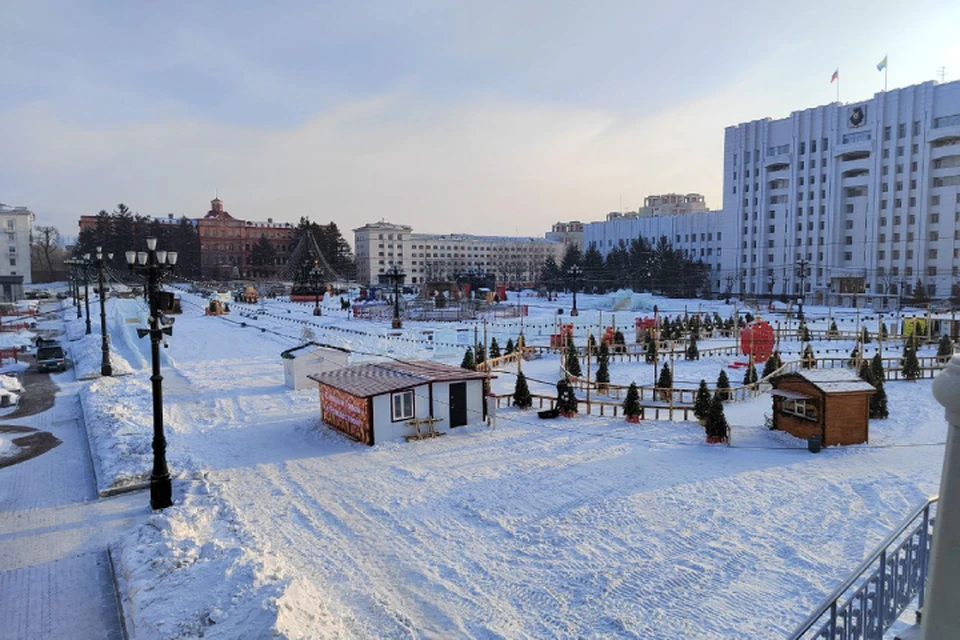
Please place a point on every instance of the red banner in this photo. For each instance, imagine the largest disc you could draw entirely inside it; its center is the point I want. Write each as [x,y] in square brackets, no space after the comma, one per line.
[346,413]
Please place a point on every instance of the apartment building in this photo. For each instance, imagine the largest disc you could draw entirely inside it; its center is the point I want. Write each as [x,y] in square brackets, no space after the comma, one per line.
[866,194]
[569,233]
[426,257]
[16,223]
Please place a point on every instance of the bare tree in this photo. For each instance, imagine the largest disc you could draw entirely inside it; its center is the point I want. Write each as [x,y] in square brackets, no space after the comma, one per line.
[47,241]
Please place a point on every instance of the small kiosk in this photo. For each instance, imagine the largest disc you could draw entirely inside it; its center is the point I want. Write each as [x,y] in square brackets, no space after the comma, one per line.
[832,404]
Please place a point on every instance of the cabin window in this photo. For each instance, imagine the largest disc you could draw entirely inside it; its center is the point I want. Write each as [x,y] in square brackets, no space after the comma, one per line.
[402,405]
[800,408]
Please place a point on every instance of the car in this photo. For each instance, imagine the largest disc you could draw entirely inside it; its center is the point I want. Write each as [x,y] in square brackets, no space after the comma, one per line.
[50,357]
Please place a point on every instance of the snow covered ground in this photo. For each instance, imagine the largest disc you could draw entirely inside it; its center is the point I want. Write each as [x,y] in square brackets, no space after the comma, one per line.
[588,527]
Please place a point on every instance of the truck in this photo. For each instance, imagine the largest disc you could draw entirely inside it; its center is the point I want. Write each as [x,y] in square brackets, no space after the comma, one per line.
[50,357]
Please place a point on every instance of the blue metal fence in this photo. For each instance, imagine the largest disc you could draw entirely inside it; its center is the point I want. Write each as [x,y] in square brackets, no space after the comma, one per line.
[880,589]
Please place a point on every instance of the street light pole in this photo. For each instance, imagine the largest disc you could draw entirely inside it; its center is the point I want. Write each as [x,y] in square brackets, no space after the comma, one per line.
[154,263]
[316,274]
[85,266]
[575,272]
[396,275]
[106,369]
[802,273]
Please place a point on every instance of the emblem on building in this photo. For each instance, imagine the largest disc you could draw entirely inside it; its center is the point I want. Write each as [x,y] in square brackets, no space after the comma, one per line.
[857,116]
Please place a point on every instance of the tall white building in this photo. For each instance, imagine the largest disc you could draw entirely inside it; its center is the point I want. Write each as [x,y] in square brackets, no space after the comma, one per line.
[867,193]
[16,225]
[426,257]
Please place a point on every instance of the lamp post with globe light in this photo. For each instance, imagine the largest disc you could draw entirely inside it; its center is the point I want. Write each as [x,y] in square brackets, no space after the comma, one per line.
[155,264]
[575,272]
[396,275]
[105,367]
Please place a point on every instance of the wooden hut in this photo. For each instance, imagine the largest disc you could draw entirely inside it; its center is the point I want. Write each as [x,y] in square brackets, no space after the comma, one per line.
[833,404]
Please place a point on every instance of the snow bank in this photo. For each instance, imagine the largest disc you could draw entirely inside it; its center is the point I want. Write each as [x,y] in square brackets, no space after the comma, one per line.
[7,448]
[87,356]
[17,340]
[191,571]
[118,413]
[627,300]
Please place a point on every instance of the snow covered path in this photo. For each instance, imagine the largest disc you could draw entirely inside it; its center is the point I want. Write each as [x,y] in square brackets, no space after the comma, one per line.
[55,579]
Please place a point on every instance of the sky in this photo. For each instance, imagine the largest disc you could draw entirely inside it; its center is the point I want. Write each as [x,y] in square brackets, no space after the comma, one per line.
[450,116]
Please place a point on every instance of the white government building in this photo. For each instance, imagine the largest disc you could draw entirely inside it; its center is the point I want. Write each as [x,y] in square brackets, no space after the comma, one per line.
[867,193]
[427,257]
[16,223]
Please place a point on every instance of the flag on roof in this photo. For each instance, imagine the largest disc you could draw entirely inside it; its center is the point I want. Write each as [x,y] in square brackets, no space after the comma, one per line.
[882,64]
[835,76]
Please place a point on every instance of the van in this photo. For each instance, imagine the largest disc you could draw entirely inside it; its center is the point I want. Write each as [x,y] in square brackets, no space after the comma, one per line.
[50,357]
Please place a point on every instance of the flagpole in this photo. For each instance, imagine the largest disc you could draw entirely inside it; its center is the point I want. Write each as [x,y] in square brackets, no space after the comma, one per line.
[885,65]
[838,88]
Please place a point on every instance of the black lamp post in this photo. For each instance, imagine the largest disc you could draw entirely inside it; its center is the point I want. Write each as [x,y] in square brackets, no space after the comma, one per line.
[803,272]
[84,269]
[396,275]
[74,265]
[105,367]
[316,278]
[155,264]
[575,273]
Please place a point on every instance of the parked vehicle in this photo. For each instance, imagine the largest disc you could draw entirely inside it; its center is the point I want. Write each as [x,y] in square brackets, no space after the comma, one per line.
[50,357]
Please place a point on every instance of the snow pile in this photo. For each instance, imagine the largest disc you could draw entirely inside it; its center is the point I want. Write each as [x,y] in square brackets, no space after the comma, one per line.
[627,300]
[10,388]
[18,340]
[191,571]
[87,357]
[118,413]
[74,328]
[7,448]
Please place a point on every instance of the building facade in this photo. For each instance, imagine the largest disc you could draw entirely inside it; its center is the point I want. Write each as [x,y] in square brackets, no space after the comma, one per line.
[864,197]
[442,257]
[16,224]
[569,233]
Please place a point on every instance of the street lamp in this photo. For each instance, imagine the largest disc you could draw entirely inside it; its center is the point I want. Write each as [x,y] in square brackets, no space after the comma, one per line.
[155,264]
[74,265]
[803,272]
[316,277]
[575,273]
[396,275]
[83,265]
[105,368]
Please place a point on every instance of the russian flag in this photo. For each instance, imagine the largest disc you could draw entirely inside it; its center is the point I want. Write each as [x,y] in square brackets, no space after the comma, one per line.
[835,76]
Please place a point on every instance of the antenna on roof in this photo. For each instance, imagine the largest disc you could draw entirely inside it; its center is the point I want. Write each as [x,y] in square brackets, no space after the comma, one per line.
[942,72]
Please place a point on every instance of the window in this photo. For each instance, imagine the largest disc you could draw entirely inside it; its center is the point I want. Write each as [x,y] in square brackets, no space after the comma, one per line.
[886,153]
[901,130]
[849,224]
[402,404]
[886,133]
[801,408]
[847,255]
[13,262]
[934,200]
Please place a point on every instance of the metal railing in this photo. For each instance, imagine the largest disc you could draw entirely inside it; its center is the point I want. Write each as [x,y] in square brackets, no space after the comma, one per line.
[880,589]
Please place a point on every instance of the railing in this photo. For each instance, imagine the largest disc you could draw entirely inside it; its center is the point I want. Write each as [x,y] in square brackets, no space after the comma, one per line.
[880,589]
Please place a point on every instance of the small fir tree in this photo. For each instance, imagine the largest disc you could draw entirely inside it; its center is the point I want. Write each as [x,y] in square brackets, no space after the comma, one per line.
[651,350]
[723,385]
[566,399]
[909,362]
[508,350]
[808,360]
[804,333]
[772,364]
[854,357]
[480,354]
[631,404]
[701,404]
[618,341]
[944,348]
[468,362]
[864,336]
[494,349]
[833,332]
[521,393]
[878,403]
[572,364]
[876,368]
[750,375]
[883,330]
[716,420]
[693,353]
[603,366]
[592,344]
[866,373]
[665,381]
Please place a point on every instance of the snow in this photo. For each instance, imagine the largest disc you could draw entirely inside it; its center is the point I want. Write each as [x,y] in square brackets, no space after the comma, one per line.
[537,528]
[7,448]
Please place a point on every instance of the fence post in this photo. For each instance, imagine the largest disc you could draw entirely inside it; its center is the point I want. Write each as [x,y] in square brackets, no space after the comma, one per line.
[942,598]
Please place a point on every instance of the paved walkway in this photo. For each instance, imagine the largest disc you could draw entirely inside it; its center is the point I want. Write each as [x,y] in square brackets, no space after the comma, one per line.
[55,578]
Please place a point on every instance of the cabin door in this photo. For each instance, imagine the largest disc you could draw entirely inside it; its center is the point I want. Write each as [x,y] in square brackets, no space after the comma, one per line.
[458,404]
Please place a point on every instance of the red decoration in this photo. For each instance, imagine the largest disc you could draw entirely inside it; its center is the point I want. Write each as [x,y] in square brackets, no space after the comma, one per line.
[758,339]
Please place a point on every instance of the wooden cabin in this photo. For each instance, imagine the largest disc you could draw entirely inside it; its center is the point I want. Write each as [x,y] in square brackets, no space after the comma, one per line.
[831,403]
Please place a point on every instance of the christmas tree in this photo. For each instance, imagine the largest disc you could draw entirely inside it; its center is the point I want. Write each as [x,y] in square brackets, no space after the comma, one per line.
[521,393]
[509,348]
[480,354]
[854,357]
[808,360]
[666,378]
[631,404]
[833,332]
[911,367]
[883,330]
[773,363]
[692,352]
[592,344]
[864,336]
[468,362]
[878,402]
[603,368]
[876,368]
[944,348]
[750,376]
[494,348]
[716,421]
[701,404]
[651,350]
[572,364]
[566,399]
[723,385]
[804,333]
[618,340]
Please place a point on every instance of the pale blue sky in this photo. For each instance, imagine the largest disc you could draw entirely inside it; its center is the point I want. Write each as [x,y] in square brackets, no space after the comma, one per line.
[480,117]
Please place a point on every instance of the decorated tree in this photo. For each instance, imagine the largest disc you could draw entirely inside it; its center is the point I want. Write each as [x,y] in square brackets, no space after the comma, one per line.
[772,364]
[572,361]
[494,349]
[566,399]
[468,362]
[716,421]
[603,366]
[665,381]
[521,393]
[909,362]
[750,376]
[833,332]
[631,404]
[808,360]
[944,348]
[876,368]
[723,385]
[508,350]
[701,404]
[693,353]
